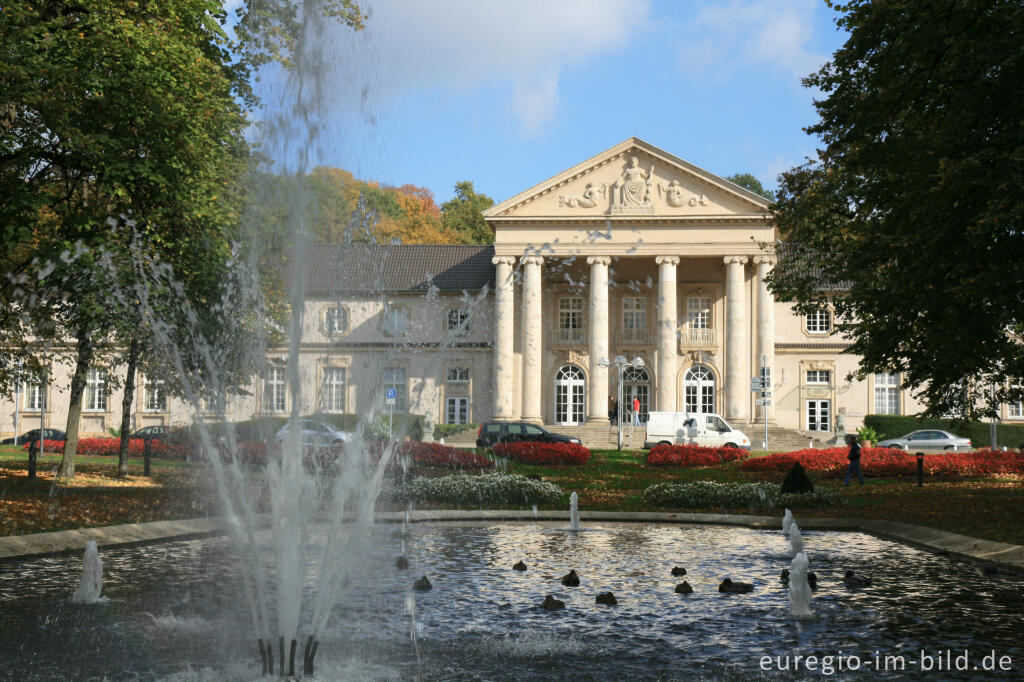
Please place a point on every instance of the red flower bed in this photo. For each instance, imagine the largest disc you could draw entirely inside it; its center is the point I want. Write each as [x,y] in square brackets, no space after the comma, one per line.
[893,462]
[48,445]
[692,456]
[112,446]
[435,455]
[556,454]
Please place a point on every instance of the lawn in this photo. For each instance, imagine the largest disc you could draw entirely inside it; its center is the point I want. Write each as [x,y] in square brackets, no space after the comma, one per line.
[987,508]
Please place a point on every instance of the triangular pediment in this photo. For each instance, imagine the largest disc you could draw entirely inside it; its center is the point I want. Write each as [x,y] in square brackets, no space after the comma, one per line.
[632,180]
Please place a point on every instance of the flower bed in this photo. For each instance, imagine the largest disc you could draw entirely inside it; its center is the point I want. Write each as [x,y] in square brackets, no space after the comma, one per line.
[705,494]
[435,455]
[105,447]
[548,454]
[892,462]
[692,456]
[487,490]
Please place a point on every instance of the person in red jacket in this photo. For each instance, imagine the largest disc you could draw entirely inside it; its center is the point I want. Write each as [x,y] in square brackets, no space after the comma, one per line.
[636,411]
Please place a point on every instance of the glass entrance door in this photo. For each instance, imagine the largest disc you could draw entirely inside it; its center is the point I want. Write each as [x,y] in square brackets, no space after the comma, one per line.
[819,415]
[570,395]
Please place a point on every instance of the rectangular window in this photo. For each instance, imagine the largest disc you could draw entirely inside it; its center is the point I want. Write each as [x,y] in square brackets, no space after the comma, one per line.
[458,321]
[396,321]
[457,375]
[457,411]
[887,393]
[35,396]
[155,397]
[819,376]
[819,415]
[634,313]
[334,389]
[1016,409]
[336,320]
[818,322]
[394,377]
[274,390]
[96,390]
[571,320]
[698,312]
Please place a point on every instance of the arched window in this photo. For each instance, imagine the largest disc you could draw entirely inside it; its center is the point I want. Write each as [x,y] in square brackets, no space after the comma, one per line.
[570,395]
[699,389]
[636,383]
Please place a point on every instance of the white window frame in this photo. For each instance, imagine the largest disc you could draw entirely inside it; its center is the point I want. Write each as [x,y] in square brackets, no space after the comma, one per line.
[457,321]
[887,393]
[1015,410]
[818,377]
[95,390]
[396,320]
[336,320]
[457,375]
[634,313]
[456,410]
[154,397]
[572,319]
[274,399]
[698,312]
[34,393]
[818,322]
[396,378]
[335,389]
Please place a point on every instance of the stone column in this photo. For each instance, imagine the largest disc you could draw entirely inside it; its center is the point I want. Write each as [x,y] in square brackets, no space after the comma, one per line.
[598,342]
[531,339]
[668,342]
[765,329]
[504,328]
[737,374]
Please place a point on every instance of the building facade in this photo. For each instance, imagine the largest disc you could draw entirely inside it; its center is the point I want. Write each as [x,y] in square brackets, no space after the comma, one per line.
[633,252]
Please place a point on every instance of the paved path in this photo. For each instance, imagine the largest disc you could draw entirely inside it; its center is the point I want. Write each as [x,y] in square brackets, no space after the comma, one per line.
[1005,556]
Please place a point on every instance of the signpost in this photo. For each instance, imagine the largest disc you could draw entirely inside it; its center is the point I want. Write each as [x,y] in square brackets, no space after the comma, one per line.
[763,384]
[390,397]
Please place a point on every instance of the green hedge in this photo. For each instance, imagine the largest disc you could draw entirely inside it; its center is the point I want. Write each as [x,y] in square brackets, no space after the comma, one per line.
[894,426]
[262,428]
[445,430]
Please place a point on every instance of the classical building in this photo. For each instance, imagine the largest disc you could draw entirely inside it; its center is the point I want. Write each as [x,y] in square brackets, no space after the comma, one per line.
[633,252]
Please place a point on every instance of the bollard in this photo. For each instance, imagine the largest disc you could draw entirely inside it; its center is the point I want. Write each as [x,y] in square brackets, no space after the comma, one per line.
[148,443]
[920,469]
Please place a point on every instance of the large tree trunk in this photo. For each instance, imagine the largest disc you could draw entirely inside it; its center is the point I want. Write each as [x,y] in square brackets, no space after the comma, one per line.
[85,350]
[126,405]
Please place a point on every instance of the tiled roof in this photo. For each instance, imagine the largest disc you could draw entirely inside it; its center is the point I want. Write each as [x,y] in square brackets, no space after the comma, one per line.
[405,267]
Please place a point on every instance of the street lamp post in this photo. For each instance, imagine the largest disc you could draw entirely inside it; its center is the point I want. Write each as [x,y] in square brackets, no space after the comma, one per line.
[621,363]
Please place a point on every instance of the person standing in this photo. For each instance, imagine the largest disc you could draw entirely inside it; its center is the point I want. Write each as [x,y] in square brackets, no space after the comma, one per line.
[636,411]
[613,410]
[854,456]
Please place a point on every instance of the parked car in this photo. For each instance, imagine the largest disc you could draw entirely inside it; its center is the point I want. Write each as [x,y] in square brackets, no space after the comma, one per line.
[155,432]
[316,434]
[694,428]
[490,433]
[927,439]
[48,434]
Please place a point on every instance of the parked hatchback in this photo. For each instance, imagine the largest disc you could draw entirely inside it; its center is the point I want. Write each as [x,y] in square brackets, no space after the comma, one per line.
[927,439]
[48,434]
[316,434]
[490,433]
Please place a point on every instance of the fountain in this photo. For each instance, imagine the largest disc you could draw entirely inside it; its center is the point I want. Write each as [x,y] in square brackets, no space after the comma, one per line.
[799,589]
[90,583]
[574,511]
[787,522]
[796,541]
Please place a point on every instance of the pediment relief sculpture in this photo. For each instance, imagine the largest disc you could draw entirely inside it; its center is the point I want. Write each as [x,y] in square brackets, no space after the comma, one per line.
[588,199]
[633,190]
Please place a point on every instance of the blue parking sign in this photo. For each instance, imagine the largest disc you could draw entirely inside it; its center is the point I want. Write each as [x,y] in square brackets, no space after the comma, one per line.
[390,395]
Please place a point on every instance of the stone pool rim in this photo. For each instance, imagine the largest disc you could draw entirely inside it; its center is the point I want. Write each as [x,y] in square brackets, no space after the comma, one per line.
[1001,555]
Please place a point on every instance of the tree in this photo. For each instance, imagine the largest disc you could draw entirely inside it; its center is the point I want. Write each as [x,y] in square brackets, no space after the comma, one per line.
[909,219]
[748,181]
[464,214]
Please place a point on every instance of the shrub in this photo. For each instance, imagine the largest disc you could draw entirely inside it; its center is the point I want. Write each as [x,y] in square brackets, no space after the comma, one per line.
[704,494]
[48,445]
[1011,435]
[892,462]
[487,490]
[796,481]
[692,456]
[445,430]
[106,447]
[550,454]
[435,455]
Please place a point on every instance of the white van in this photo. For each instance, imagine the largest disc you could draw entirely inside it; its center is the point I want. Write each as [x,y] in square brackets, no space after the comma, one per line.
[695,428]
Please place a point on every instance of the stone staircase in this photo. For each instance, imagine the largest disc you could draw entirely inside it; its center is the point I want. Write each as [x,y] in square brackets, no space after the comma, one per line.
[782,439]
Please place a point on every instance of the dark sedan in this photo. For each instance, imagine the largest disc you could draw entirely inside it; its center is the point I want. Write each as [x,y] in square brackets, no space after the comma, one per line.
[155,432]
[48,434]
[511,432]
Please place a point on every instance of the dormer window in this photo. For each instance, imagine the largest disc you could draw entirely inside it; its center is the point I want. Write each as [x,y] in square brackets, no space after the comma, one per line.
[396,320]
[458,321]
[336,320]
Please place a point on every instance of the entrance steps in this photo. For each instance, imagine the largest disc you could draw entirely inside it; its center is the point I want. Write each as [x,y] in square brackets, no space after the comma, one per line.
[781,439]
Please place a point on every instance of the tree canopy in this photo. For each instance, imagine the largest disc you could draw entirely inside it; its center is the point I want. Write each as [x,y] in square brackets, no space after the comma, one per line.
[909,219]
[464,214]
[748,181]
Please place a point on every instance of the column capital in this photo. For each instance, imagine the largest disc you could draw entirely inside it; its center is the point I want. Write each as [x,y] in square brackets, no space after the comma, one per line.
[742,260]
[503,260]
[598,260]
[765,260]
[532,260]
[666,260]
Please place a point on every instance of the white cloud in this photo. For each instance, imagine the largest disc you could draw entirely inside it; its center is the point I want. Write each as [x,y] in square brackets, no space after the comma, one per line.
[742,35]
[413,45]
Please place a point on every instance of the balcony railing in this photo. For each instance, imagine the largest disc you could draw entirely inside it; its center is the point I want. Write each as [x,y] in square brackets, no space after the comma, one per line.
[570,337]
[634,337]
[698,338]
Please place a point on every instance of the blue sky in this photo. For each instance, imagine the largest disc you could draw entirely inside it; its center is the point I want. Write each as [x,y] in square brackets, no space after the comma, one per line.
[508,93]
